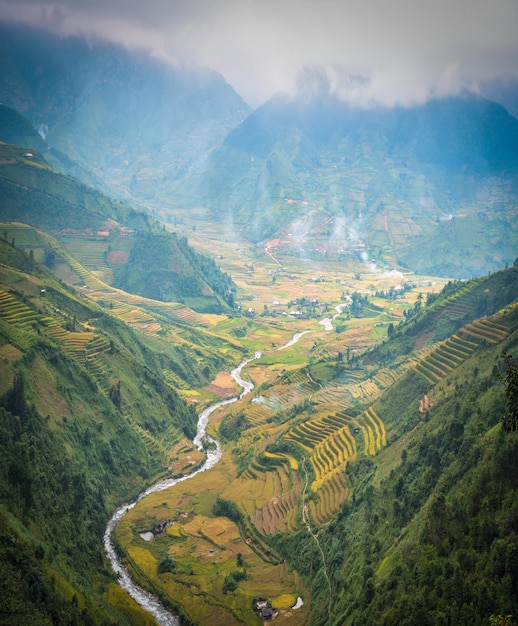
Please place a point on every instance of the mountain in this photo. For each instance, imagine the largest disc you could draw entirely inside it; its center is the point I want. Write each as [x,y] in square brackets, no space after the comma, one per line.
[503,91]
[17,130]
[36,194]
[136,123]
[86,417]
[432,187]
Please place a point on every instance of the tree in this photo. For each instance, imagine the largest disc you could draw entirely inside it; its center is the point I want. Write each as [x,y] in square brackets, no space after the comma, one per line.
[19,401]
[510,419]
[49,257]
[166,565]
[115,394]
[501,620]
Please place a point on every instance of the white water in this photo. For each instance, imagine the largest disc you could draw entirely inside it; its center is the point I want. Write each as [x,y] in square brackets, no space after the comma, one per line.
[293,340]
[327,321]
[146,600]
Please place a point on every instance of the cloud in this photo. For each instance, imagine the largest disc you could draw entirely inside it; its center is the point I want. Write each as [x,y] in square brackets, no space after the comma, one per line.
[397,51]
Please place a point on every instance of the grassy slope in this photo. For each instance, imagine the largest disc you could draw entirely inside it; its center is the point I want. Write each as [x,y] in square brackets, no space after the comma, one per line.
[35,194]
[74,442]
[374,403]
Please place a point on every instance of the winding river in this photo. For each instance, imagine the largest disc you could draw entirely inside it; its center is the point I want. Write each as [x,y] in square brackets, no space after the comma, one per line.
[146,600]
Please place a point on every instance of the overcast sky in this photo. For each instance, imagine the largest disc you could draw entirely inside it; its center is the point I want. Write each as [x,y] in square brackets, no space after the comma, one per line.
[391,51]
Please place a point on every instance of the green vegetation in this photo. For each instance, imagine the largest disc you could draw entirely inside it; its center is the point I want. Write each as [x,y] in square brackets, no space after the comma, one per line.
[83,427]
[430,538]
[384,473]
[163,267]
[136,253]
[385,476]
[510,419]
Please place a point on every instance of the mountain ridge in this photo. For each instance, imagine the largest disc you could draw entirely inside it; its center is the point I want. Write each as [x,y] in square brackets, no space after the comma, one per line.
[431,188]
[112,110]
[36,194]
[394,177]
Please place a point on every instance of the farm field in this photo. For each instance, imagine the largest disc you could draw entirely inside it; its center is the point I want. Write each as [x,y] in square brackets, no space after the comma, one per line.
[290,447]
[302,395]
[206,549]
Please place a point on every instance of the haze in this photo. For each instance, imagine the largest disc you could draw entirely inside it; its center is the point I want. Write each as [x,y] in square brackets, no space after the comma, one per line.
[371,51]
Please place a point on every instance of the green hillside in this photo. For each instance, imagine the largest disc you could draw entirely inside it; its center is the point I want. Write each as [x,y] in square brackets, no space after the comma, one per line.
[384,478]
[86,418]
[429,535]
[81,217]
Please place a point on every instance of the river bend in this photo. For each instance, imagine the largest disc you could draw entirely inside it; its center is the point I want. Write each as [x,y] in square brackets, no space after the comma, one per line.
[146,600]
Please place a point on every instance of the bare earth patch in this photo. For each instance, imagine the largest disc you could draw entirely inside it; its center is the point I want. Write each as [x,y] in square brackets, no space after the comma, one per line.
[223,386]
[117,257]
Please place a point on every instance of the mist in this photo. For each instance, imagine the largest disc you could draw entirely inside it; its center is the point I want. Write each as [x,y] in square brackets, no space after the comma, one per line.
[370,52]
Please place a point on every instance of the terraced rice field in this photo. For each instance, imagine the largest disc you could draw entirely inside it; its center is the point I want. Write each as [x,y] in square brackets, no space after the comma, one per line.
[15,312]
[91,254]
[190,317]
[285,395]
[280,513]
[312,432]
[485,329]
[331,496]
[138,319]
[268,494]
[83,346]
[373,429]
[461,303]
[330,396]
[364,390]
[257,412]
[89,280]
[458,348]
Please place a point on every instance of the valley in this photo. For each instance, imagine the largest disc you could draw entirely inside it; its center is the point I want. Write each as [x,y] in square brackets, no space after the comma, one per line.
[294,450]
[306,397]
[268,355]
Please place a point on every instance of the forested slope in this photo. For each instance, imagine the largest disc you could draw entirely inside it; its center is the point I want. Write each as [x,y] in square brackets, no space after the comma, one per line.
[86,419]
[34,193]
[429,534]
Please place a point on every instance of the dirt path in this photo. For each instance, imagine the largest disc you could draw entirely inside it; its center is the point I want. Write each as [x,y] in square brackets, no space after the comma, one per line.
[307,521]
